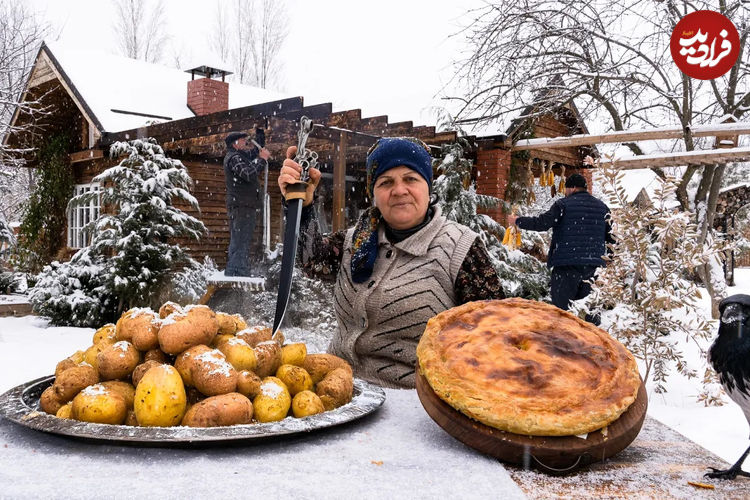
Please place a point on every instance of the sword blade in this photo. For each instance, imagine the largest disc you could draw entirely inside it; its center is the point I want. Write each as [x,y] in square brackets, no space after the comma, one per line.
[289,253]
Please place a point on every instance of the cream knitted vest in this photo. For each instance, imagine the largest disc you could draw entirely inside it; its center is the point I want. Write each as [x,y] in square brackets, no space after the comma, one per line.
[381,320]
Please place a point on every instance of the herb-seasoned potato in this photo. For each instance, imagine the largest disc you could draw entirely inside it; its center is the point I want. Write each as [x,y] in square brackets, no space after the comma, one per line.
[240,355]
[318,365]
[225,409]
[118,360]
[184,362]
[268,354]
[124,389]
[65,411]
[306,403]
[50,401]
[160,398]
[73,380]
[212,374]
[98,404]
[336,388]
[255,335]
[178,332]
[295,378]
[106,333]
[248,383]
[273,402]
[293,354]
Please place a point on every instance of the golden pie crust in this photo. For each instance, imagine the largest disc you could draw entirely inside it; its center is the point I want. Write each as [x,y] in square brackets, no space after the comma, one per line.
[527,367]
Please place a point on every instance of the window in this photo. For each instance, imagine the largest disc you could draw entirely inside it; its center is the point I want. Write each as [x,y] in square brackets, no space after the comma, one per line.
[81,215]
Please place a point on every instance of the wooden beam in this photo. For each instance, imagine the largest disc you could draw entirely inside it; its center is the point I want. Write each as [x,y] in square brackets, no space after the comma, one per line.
[89,154]
[739,128]
[703,157]
[339,184]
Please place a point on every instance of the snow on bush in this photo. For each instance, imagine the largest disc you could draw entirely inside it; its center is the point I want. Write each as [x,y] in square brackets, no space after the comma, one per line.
[133,260]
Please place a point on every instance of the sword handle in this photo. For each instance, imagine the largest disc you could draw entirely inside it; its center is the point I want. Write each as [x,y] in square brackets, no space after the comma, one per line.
[296,191]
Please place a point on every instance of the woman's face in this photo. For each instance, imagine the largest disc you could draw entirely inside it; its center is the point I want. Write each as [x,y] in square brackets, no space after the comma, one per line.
[402,195]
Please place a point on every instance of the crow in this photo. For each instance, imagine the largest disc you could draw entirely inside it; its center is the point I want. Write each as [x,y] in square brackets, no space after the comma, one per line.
[730,357]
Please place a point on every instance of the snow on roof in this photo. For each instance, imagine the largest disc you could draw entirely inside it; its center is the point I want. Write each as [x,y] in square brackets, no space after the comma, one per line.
[108,82]
[734,186]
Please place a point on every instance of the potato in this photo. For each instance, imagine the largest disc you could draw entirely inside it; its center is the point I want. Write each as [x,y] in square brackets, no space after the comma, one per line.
[279,337]
[269,358]
[146,337]
[178,332]
[212,374]
[118,360]
[91,354]
[336,388]
[248,384]
[100,405]
[50,401]
[140,370]
[73,380]
[130,419]
[106,333]
[295,378]
[240,355]
[77,357]
[273,402]
[124,389]
[293,354]
[160,398]
[65,411]
[318,365]
[135,320]
[168,308]
[230,323]
[306,403]
[220,339]
[64,365]
[156,355]
[254,335]
[184,362]
[216,411]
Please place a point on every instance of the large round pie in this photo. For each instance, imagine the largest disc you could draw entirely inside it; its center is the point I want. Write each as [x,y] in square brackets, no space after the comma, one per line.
[527,367]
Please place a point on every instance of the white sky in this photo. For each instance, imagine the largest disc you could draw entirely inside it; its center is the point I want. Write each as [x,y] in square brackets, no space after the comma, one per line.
[388,57]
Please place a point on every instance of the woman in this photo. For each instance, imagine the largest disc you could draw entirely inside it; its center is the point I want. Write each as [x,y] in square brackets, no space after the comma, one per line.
[399,266]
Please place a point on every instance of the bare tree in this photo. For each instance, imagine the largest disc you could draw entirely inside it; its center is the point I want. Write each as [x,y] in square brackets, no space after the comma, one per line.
[140,28]
[613,58]
[21,34]
[249,34]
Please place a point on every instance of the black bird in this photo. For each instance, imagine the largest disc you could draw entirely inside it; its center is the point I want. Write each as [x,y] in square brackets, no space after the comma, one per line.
[730,357]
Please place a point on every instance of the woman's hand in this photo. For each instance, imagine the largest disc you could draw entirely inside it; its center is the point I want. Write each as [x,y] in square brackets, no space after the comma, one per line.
[290,172]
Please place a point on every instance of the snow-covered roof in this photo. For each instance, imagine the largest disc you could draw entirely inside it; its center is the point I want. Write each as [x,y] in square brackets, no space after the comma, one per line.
[109,83]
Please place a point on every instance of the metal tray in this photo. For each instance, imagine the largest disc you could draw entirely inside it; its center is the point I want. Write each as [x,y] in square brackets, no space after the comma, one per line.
[21,405]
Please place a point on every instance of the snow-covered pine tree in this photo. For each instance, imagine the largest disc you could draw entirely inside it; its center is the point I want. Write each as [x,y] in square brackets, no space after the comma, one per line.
[645,294]
[521,274]
[131,258]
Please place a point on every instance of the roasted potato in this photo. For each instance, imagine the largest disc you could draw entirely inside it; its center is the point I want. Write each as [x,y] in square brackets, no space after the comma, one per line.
[230,323]
[118,360]
[273,402]
[293,354]
[64,365]
[220,339]
[124,389]
[168,308]
[295,378]
[140,370]
[248,383]
[106,333]
[306,403]
[336,388]
[156,355]
[73,380]
[92,353]
[160,398]
[240,355]
[184,362]
[318,365]
[178,332]
[212,374]
[135,320]
[65,411]
[50,401]
[216,411]
[100,405]
[255,335]
[146,337]
[268,354]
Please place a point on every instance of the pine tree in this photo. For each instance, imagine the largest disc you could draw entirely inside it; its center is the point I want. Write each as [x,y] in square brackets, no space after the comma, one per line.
[521,275]
[131,258]
[645,294]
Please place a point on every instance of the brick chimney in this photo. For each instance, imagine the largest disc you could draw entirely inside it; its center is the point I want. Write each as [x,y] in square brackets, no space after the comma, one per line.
[206,95]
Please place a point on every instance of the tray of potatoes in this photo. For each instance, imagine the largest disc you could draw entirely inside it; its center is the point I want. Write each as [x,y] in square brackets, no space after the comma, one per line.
[190,375]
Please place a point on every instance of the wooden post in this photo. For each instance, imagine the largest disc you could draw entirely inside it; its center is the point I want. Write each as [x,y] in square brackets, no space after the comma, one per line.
[339,184]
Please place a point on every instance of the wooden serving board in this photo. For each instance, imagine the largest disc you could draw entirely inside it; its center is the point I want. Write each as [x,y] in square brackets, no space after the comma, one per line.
[551,454]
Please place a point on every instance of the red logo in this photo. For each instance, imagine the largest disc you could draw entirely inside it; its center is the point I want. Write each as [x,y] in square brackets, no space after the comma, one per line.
[705,45]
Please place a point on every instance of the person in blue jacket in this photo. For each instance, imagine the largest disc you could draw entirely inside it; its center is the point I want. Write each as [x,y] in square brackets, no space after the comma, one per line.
[580,233]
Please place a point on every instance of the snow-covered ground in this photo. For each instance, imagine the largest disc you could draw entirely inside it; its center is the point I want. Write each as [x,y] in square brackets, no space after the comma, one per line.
[722,430]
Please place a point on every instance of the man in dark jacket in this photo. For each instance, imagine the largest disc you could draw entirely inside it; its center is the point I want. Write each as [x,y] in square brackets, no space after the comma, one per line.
[242,164]
[580,233]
